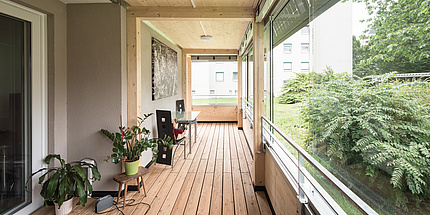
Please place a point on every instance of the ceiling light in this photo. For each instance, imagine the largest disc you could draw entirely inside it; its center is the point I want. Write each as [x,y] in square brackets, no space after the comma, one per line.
[206,37]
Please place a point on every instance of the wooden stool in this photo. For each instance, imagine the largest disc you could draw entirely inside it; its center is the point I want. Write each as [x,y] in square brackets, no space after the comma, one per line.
[124,179]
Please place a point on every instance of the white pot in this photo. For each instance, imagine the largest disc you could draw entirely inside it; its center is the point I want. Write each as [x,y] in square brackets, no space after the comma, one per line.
[65,208]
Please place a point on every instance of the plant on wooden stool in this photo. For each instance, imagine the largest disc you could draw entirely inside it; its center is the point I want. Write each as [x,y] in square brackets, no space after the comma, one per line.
[129,143]
[65,181]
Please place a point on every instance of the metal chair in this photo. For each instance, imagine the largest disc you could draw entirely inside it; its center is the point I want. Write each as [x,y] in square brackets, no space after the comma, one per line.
[165,131]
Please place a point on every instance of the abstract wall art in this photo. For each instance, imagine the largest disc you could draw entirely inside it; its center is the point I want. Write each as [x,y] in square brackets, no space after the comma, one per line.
[164,71]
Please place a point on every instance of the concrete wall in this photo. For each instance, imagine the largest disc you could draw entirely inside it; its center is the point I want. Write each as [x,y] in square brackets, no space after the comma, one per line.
[149,106]
[57,72]
[95,83]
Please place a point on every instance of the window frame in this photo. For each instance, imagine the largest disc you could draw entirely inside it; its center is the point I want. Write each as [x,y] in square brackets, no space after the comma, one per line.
[290,67]
[216,76]
[286,45]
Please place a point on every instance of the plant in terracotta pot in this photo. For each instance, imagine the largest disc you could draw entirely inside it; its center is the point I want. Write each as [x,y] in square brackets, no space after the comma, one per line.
[61,184]
[129,143]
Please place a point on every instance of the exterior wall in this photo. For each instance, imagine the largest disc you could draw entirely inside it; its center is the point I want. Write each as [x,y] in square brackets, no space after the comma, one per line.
[94,82]
[330,44]
[57,71]
[149,106]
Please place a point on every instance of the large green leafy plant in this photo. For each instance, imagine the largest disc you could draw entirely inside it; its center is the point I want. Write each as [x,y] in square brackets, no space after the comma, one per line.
[65,181]
[381,123]
[129,143]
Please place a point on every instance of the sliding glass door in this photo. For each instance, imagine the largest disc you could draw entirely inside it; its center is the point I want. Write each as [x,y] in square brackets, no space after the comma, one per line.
[15,114]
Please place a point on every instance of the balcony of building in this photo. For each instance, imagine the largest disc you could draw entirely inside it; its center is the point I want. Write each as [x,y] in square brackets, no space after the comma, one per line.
[93,64]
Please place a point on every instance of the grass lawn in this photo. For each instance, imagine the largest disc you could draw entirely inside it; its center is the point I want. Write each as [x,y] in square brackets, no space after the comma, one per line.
[287,118]
[214,101]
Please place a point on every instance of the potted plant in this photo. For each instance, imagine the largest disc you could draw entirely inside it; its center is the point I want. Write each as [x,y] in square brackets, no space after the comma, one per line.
[129,143]
[61,184]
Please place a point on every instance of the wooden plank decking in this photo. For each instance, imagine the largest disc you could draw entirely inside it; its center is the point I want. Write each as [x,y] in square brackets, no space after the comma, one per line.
[214,179]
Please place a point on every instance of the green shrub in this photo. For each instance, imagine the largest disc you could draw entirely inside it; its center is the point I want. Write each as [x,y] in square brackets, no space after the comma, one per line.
[294,89]
[381,123]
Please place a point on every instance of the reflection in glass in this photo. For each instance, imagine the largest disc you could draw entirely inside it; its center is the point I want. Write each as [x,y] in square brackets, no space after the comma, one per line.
[14,112]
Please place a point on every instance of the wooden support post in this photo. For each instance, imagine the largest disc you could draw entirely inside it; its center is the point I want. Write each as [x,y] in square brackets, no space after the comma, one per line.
[258,74]
[184,79]
[239,93]
[188,86]
[134,70]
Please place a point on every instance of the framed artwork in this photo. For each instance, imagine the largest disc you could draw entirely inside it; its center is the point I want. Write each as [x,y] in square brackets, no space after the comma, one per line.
[164,71]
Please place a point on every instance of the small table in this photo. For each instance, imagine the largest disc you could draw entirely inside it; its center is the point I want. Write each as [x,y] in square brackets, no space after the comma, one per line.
[188,117]
[124,179]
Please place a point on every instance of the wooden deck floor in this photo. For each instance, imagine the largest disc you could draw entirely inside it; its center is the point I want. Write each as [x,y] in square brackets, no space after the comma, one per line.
[214,179]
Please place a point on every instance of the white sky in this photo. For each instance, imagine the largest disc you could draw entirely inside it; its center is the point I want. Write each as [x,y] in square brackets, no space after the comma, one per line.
[359,12]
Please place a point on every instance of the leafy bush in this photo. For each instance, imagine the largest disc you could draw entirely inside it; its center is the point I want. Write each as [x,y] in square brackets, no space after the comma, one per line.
[381,123]
[294,89]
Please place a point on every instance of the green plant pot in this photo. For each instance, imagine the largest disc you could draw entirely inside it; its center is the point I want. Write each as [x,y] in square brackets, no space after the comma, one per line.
[131,168]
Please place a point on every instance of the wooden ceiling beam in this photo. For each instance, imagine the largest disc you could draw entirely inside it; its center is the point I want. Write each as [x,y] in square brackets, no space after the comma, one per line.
[210,51]
[189,13]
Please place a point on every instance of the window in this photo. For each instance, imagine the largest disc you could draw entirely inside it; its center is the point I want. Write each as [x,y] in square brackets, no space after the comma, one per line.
[305,30]
[235,77]
[288,66]
[305,66]
[288,48]
[219,76]
[305,47]
[211,82]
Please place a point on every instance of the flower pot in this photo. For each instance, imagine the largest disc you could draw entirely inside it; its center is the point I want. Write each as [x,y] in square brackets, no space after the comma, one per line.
[132,167]
[65,208]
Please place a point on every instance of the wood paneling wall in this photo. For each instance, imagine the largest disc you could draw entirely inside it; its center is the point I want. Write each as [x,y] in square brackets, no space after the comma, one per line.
[281,193]
[216,114]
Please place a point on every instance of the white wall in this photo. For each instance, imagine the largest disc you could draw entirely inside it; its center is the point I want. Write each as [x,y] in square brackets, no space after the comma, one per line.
[330,41]
[149,106]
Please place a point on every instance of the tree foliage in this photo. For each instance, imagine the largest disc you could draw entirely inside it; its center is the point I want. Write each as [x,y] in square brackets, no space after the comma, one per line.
[402,39]
[380,123]
[294,89]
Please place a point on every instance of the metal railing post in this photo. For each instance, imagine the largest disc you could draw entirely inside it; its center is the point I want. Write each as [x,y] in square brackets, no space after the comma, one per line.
[301,183]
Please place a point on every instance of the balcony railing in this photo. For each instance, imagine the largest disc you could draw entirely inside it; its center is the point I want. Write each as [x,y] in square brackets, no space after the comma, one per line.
[248,110]
[309,191]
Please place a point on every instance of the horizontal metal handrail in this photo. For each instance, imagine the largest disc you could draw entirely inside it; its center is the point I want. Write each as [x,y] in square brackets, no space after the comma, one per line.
[351,196]
[282,154]
[247,103]
[248,110]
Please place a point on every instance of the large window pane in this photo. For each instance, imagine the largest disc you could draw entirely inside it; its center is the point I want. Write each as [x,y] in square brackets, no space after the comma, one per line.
[14,112]
[213,83]
[370,131]
[250,77]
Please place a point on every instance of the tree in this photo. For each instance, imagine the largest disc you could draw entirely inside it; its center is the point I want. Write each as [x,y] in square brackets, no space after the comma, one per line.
[402,39]
[360,53]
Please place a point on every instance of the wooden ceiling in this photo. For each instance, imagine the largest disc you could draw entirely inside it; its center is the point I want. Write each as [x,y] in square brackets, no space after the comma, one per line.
[186,32]
[226,34]
[197,3]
